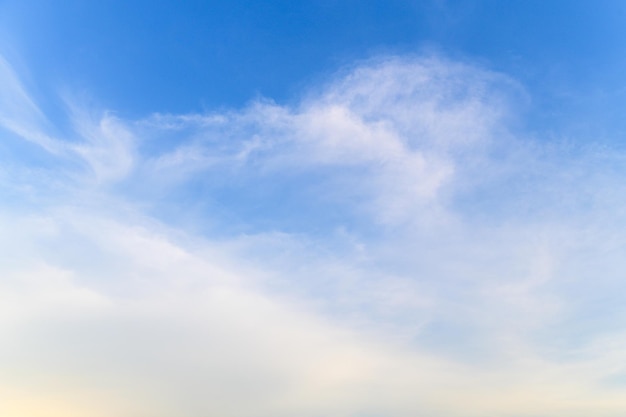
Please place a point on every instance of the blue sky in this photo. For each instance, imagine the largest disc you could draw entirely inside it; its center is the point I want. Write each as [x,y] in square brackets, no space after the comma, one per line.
[312,208]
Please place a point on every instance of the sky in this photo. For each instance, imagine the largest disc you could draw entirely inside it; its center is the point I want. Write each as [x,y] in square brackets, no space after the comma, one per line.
[317,208]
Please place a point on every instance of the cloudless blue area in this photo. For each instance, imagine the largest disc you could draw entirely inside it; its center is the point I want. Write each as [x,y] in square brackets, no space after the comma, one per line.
[139,57]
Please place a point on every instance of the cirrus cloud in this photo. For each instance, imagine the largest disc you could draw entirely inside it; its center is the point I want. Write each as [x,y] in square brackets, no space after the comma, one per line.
[388,245]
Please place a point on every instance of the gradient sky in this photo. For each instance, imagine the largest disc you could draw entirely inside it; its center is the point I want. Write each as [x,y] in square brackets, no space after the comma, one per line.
[316,208]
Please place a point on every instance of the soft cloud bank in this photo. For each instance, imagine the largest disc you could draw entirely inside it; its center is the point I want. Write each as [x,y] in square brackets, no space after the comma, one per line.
[391,244]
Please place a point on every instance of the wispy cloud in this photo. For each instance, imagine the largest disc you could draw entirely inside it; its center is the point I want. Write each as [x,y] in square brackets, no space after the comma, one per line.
[18,113]
[389,245]
[396,125]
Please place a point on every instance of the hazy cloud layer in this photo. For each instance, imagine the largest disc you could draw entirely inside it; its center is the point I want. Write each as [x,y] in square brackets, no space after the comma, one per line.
[391,244]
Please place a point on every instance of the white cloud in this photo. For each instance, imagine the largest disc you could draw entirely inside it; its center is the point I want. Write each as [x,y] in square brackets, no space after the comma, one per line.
[149,327]
[104,144]
[18,113]
[389,135]
[469,285]
[107,147]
